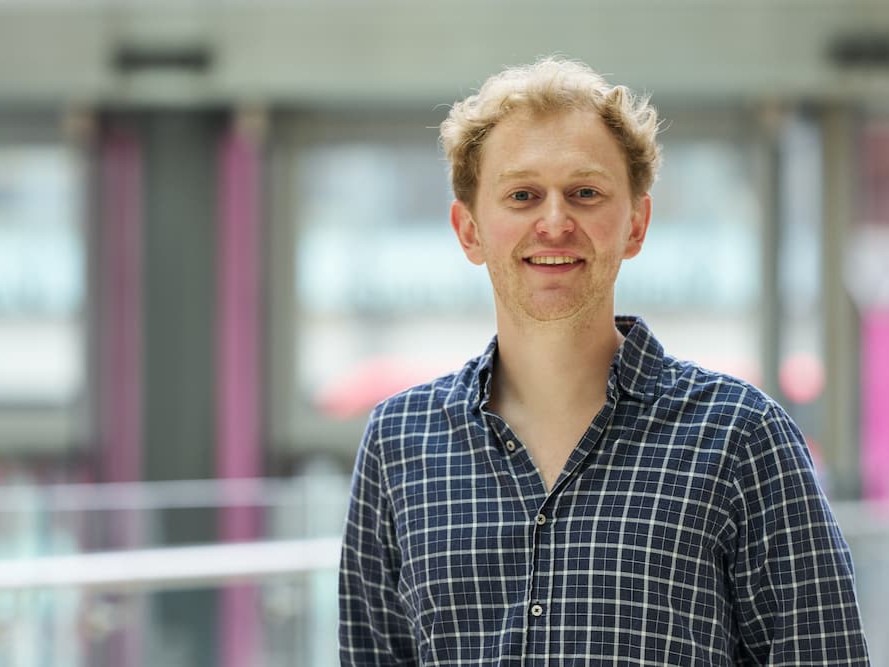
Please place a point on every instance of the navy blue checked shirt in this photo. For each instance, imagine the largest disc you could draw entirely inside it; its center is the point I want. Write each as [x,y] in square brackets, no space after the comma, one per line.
[687,528]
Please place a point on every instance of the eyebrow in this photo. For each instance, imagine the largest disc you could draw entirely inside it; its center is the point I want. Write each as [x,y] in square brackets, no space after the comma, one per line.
[518,174]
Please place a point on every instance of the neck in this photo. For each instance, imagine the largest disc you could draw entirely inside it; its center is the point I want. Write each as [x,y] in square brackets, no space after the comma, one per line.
[554,366]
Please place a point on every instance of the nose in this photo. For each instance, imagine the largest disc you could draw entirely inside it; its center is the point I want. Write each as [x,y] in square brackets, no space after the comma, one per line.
[555,218]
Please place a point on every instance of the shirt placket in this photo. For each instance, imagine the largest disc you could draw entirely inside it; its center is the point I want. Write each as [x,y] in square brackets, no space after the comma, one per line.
[545,610]
[531,494]
[540,612]
[542,609]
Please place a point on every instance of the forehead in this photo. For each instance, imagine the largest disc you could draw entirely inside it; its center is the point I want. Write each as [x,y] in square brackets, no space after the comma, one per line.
[574,140]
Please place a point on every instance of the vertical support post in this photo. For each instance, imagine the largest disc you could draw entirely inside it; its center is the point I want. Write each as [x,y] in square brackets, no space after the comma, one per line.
[238,367]
[120,352]
[841,422]
[120,356]
[771,120]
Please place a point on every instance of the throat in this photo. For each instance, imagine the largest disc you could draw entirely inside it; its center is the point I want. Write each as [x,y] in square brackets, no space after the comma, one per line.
[550,436]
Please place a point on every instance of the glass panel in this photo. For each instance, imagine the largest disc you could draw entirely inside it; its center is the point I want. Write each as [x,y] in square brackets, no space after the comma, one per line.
[72,613]
[42,276]
[697,280]
[386,297]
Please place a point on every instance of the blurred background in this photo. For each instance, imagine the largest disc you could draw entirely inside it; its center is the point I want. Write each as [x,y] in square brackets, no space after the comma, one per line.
[224,236]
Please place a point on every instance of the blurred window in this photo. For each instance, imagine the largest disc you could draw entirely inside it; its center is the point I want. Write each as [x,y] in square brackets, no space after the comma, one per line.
[42,290]
[384,298]
[698,280]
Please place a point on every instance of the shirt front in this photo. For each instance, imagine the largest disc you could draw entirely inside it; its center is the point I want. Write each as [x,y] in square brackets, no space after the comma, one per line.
[687,528]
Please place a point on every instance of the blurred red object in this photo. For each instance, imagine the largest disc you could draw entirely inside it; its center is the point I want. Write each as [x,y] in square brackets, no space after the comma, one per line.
[368,382]
[802,378]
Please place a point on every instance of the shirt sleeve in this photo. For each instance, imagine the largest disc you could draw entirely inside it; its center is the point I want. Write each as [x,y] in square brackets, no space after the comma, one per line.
[373,627]
[792,576]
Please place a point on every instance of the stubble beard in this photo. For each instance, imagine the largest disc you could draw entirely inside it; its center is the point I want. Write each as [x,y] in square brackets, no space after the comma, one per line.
[574,308]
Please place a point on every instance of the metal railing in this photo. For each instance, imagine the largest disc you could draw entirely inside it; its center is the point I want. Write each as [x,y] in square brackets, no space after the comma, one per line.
[88,572]
[176,568]
[294,578]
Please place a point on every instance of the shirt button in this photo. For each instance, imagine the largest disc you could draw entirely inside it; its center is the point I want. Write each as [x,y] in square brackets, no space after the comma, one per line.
[541,519]
[510,445]
[536,610]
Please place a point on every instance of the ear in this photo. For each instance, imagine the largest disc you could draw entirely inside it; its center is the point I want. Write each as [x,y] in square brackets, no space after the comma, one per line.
[467,232]
[638,226]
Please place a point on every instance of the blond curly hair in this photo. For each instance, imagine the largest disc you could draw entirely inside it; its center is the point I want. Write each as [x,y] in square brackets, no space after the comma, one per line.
[550,85]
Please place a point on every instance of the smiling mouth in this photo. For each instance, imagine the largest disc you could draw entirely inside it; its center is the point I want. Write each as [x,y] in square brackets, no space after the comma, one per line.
[552,261]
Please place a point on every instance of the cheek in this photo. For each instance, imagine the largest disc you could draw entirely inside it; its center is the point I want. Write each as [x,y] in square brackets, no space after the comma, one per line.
[611,230]
[499,237]
[499,240]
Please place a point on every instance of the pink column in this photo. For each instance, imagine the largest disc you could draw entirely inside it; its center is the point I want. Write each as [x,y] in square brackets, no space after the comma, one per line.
[120,352]
[875,404]
[119,355]
[238,453]
[875,322]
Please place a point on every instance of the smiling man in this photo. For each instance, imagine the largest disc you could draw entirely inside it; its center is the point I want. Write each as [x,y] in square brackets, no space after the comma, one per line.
[576,496]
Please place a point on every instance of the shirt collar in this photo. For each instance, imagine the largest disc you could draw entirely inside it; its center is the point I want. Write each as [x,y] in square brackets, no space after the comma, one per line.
[480,392]
[637,364]
[639,360]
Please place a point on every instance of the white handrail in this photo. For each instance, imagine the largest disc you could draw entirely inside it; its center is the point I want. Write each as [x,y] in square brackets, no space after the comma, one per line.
[171,568]
[158,495]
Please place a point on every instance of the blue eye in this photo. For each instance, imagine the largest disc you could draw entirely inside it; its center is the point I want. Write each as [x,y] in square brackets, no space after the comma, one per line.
[521,195]
[586,193]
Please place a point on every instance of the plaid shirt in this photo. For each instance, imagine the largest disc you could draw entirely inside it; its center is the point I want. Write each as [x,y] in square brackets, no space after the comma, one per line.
[687,528]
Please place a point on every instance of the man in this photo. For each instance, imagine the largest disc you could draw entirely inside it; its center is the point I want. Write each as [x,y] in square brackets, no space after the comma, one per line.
[575,496]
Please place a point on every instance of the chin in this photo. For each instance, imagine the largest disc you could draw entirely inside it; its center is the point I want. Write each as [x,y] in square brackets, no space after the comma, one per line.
[552,308]
[573,312]
[554,313]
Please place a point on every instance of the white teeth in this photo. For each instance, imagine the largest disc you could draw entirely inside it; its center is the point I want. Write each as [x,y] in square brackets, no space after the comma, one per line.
[552,260]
